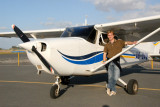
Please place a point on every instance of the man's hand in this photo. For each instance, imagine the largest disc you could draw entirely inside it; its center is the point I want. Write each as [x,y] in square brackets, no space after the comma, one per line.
[104,62]
[134,42]
[104,57]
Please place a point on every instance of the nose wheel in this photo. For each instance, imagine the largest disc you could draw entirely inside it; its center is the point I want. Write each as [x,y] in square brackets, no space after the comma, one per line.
[55,89]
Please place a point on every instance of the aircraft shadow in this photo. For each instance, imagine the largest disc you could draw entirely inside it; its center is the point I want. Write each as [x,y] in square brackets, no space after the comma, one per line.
[82,80]
[79,80]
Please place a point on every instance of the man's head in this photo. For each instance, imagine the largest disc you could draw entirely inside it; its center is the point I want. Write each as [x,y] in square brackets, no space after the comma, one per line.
[110,35]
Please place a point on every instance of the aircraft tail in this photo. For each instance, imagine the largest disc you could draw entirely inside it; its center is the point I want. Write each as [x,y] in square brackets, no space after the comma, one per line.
[157,47]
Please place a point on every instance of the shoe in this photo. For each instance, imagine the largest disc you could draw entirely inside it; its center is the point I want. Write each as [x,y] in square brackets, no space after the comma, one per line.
[108,91]
[112,93]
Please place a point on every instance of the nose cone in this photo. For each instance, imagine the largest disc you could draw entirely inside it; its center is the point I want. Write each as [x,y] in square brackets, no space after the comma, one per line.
[27,46]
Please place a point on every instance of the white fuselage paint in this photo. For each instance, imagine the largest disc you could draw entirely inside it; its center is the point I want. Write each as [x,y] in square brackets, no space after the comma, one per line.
[74,46]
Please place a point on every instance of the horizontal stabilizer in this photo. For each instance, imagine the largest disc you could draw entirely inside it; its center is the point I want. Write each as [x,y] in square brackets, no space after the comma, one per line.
[155,57]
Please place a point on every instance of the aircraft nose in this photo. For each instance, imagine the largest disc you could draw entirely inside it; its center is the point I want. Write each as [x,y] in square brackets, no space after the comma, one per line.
[27,46]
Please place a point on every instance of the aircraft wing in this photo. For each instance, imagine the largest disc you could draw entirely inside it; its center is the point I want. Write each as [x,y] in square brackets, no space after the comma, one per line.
[37,33]
[133,30]
[130,47]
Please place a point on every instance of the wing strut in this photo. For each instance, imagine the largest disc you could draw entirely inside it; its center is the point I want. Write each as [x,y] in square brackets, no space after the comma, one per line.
[141,40]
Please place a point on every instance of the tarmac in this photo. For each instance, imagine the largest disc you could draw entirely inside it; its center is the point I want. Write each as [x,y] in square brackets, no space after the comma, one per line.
[20,86]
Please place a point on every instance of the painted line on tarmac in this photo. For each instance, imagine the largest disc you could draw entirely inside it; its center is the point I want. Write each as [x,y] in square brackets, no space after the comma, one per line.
[25,82]
[99,86]
[16,65]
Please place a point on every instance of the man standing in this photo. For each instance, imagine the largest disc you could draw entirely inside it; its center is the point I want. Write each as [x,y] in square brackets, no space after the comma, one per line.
[112,48]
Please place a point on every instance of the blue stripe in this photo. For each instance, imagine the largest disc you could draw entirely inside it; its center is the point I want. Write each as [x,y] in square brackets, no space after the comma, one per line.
[87,59]
[18,51]
[92,60]
[81,57]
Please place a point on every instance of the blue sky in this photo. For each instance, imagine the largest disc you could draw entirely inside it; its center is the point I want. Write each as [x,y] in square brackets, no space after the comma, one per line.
[49,14]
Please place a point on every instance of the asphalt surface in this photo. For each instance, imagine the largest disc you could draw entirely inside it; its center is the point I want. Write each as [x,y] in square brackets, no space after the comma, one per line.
[22,87]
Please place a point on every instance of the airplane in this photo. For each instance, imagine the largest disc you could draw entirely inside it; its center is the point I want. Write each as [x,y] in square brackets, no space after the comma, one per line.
[78,51]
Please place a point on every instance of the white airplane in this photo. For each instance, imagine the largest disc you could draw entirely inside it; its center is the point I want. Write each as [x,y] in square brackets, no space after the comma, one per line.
[79,50]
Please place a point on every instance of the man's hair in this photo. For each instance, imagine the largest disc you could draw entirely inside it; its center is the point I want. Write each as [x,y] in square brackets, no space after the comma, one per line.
[110,31]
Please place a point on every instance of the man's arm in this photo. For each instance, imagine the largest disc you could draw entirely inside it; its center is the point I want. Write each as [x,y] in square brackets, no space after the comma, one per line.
[130,43]
[104,57]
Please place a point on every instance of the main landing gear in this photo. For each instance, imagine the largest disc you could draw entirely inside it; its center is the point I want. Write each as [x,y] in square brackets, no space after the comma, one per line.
[131,87]
[55,89]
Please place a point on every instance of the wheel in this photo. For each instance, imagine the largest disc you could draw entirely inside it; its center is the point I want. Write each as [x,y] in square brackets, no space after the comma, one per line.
[132,87]
[65,80]
[54,92]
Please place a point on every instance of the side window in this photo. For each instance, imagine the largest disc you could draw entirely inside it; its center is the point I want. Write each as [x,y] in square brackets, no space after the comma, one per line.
[103,39]
[44,47]
[92,36]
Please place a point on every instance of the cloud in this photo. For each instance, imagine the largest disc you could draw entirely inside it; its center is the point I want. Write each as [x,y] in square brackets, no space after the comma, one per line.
[57,24]
[118,5]
[150,10]
[3,28]
[126,9]
[53,23]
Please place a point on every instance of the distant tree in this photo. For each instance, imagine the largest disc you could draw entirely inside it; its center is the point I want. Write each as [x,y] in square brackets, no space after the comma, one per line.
[15,48]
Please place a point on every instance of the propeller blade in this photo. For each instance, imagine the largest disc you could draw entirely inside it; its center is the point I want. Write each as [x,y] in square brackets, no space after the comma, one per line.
[41,58]
[20,34]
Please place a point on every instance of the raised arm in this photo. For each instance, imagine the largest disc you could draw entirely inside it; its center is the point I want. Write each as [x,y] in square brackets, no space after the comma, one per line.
[130,43]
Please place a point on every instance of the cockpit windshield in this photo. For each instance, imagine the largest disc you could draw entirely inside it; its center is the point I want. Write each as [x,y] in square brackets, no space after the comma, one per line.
[86,32]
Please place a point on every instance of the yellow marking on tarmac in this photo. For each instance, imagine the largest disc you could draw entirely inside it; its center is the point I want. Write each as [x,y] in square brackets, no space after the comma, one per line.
[25,82]
[99,86]
[18,58]
[7,53]
[149,89]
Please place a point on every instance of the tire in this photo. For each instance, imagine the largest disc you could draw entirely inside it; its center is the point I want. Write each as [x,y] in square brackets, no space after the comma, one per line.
[132,87]
[54,92]
[65,80]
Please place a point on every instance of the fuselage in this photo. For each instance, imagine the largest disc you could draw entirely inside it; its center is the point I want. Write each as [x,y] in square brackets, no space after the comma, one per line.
[78,50]
[73,55]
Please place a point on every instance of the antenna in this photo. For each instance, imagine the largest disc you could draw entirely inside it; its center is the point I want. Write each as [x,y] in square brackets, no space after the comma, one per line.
[86,20]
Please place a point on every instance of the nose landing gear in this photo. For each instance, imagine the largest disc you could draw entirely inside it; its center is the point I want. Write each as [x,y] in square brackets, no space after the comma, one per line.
[55,89]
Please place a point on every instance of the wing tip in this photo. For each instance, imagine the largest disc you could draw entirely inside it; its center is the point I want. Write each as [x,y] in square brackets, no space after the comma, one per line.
[13,26]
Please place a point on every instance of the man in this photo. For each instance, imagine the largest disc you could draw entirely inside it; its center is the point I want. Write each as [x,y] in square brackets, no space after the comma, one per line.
[112,48]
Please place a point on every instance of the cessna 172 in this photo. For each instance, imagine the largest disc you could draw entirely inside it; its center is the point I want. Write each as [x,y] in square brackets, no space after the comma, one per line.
[79,50]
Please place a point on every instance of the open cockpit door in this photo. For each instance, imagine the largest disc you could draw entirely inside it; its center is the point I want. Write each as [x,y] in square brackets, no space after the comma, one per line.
[103,39]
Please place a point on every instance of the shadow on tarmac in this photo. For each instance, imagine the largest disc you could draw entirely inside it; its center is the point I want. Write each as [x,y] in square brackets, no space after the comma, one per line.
[82,80]
[79,80]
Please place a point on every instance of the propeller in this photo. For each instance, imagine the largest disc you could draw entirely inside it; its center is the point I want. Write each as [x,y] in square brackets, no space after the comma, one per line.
[24,38]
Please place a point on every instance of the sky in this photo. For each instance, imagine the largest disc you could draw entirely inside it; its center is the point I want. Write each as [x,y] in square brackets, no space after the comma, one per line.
[51,14]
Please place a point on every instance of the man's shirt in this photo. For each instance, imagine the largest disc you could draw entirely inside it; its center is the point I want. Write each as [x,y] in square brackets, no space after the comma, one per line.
[114,48]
